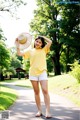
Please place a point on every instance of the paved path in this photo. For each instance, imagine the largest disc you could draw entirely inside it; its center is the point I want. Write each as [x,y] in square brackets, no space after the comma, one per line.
[25,108]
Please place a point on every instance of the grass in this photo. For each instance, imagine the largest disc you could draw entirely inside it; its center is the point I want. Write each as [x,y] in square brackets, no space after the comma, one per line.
[7,97]
[67,86]
[9,81]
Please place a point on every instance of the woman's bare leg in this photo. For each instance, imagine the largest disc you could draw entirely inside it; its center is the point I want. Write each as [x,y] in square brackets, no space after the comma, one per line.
[44,86]
[35,85]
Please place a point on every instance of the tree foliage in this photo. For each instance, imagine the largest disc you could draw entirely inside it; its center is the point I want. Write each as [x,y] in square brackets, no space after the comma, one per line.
[60,22]
[8,62]
[11,5]
[26,65]
[15,62]
[2,37]
[75,70]
[4,56]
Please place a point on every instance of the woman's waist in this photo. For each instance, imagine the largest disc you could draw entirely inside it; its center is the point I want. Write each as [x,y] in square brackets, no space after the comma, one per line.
[35,72]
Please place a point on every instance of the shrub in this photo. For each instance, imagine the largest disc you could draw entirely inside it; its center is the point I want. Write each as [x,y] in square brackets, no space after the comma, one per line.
[75,70]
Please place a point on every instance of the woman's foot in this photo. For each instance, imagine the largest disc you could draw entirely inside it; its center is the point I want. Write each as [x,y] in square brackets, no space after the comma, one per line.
[38,114]
[48,116]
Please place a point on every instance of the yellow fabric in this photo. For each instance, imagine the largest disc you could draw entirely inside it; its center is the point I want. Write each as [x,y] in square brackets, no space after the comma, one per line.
[37,60]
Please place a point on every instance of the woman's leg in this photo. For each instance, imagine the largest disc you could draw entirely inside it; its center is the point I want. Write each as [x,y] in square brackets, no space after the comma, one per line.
[35,85]
[44,86]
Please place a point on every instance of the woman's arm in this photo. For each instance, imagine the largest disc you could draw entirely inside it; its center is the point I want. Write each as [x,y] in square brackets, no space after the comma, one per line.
[48,41]
[19,53]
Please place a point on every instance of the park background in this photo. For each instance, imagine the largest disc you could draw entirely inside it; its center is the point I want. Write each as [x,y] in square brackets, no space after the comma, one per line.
[56,19]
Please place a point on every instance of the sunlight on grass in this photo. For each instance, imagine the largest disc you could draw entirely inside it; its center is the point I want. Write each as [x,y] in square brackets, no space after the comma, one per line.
[63,81]
[12,80]
[67,86]
[7,97]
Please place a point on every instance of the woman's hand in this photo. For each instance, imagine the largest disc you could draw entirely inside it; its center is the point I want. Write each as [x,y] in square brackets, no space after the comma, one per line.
[48,41]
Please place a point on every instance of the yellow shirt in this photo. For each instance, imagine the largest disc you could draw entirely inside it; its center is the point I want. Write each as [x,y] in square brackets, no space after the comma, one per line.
[37,60]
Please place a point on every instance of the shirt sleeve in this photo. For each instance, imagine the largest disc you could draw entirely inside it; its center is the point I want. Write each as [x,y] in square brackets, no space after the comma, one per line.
[46,49]
[26,54]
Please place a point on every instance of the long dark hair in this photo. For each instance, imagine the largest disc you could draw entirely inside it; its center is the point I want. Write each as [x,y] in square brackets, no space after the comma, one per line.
[42,40]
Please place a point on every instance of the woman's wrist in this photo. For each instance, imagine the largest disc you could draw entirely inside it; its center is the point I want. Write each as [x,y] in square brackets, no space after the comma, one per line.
[18,49]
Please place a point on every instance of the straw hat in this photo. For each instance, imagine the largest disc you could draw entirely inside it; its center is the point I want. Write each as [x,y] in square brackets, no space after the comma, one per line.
[24,40]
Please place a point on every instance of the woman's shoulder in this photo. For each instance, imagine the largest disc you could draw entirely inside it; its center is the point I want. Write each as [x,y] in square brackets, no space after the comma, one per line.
[46,49]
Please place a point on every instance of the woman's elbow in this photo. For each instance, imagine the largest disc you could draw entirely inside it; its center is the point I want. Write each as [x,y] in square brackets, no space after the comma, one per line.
[50,41]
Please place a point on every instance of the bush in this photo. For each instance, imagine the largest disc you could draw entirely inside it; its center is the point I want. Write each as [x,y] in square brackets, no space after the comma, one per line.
[75,70]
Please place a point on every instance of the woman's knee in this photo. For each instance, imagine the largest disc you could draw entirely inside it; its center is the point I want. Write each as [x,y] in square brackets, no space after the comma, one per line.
[45,92]
[36,92]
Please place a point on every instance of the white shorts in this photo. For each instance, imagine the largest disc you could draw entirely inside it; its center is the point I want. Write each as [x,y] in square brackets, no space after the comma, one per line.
[42,76]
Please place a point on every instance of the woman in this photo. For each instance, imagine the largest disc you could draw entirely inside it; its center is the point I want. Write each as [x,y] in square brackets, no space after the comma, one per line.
[38,71]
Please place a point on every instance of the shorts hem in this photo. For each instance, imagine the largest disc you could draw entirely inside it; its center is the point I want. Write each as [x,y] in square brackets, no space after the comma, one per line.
[40,77]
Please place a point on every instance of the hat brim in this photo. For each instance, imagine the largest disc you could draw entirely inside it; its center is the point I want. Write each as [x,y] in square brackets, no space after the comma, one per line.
[28,41]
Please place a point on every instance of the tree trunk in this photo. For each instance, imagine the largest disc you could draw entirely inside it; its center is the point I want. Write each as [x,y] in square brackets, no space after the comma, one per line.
[67,59]
[56,63]
[1,77]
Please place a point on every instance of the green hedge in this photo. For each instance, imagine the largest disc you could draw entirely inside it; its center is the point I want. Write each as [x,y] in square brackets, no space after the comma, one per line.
[75,70]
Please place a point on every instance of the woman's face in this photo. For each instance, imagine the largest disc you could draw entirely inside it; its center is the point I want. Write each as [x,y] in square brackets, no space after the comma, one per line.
[38,43]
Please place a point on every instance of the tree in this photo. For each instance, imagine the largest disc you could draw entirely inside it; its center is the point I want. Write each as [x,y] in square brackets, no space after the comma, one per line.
[15,62]
[2,37]
[49,64]
[75,70]
[69,32]
[26,66]
[4,58]
[9,72]
[10,5]
[45,23]
[55,21]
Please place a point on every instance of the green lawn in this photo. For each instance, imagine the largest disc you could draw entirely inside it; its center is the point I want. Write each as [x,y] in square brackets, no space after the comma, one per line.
[7,97]
[67,86]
